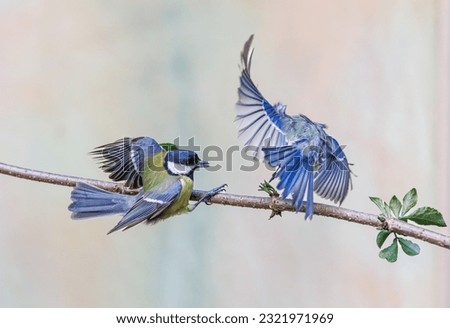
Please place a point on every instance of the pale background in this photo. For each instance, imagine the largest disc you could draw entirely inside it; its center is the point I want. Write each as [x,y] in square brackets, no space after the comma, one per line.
[77,74]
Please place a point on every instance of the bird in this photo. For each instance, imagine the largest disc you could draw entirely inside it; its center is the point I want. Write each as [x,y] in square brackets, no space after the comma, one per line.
[306,158]
[164,180]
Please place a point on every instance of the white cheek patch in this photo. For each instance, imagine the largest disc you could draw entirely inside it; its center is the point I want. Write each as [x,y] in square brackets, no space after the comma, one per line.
[179,169]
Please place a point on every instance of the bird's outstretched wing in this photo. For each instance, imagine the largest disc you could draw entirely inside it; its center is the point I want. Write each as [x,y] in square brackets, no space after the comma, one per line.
[333,178]
[124,159]
[259,123]
[149,207]
[295,173]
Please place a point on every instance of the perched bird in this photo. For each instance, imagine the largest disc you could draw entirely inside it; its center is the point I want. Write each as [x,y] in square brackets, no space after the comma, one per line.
[307,159]
[165,179]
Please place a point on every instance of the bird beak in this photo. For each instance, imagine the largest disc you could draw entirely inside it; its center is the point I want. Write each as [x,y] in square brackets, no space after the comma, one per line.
[203,164]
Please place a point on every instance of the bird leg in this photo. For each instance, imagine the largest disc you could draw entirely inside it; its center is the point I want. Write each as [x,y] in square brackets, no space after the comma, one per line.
[207,196]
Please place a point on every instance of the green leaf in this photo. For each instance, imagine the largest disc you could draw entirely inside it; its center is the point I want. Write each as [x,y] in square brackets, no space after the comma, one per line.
[390,253]
[409,201]
[377,201]
[427,216]
[267,187]
[167,146]
[381,237]
[384,208]
[409,247]
[395,206]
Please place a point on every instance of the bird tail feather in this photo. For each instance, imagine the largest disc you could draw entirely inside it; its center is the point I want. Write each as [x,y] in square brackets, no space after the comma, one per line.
[90,202]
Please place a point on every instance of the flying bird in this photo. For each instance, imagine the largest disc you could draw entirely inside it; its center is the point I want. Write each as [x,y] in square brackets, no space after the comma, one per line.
[306,158]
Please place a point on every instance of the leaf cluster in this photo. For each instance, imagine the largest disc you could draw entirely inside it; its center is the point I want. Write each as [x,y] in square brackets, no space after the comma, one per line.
[399,210]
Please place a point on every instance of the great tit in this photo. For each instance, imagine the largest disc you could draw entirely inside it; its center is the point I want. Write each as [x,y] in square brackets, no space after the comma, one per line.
[165,179]
[306,157]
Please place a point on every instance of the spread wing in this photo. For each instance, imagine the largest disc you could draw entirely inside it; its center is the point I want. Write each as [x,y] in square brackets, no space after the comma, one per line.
[295,173]
[259,123]
[333,179]
[149,206]
[124,159]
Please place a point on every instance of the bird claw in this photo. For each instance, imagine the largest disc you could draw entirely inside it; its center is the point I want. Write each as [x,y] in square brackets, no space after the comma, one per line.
[208,195]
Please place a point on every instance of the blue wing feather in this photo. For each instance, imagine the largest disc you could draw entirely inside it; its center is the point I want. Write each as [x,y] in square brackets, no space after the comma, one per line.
[259,123]
[333,178]
[149,207]
[309,209]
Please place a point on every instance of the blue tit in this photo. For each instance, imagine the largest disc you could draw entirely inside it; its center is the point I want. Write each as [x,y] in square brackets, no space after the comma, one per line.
[165,179]
[306,158]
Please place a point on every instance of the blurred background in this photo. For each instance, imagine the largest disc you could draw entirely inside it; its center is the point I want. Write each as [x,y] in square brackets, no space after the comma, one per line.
[78,74]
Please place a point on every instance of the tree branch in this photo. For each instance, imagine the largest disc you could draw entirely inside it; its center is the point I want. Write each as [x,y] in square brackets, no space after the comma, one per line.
[266,203]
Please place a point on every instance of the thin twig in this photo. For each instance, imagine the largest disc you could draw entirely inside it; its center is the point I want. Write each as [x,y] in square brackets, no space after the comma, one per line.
[266,203]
